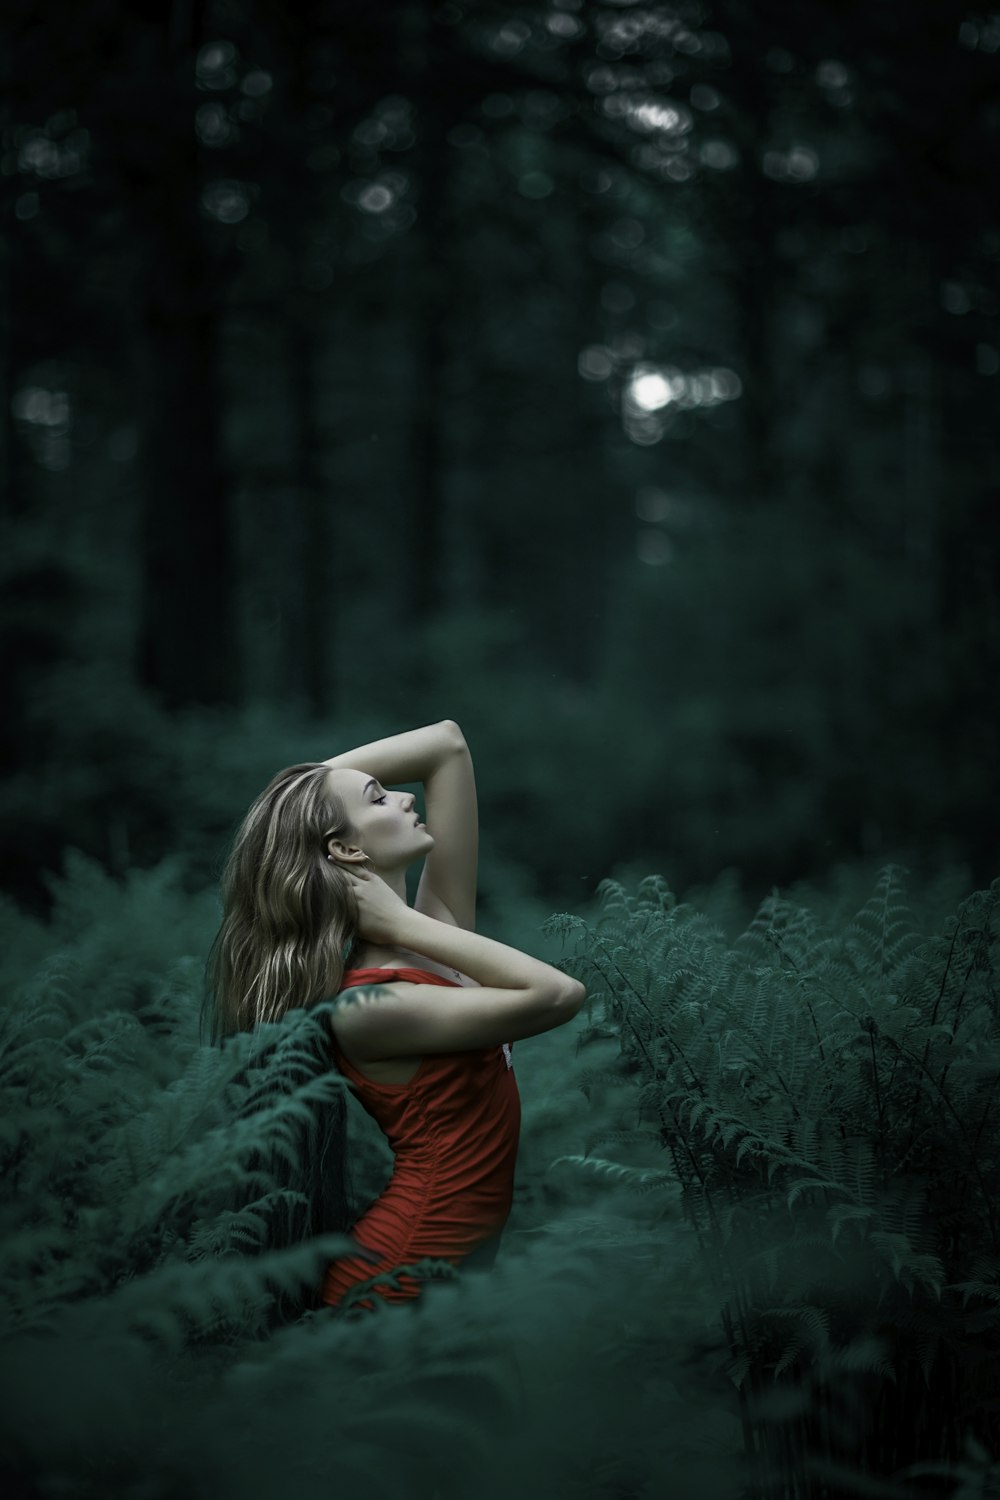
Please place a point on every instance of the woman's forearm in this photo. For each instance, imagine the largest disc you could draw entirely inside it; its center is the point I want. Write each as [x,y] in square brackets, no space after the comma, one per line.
[410,756]
[482,958]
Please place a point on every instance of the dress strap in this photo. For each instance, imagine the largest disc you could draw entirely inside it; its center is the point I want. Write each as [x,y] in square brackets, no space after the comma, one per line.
[354,977]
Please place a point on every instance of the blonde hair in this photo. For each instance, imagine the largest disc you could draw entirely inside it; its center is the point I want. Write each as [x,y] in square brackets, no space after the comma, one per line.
[290,919]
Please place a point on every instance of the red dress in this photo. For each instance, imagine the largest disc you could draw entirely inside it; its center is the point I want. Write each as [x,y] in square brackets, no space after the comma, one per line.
[454,1130]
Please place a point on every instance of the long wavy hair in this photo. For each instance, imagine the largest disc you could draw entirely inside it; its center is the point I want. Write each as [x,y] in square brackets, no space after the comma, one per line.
[289,928]
[290,920]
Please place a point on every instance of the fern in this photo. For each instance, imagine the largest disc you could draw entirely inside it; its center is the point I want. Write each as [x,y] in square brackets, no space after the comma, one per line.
[881,935]
[643,1178]
[808,1083]
[786,1167]
[234,1231]
[187,1300]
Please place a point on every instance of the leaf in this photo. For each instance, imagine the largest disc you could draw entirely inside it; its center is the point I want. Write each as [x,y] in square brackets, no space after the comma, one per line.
[839,1214]
[618,1171]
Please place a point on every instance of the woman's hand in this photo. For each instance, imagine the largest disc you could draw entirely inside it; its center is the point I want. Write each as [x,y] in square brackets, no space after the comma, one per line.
[380,910]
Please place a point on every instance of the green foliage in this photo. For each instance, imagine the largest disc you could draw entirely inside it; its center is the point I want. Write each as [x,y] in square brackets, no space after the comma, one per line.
[159,1263]
[185,537]
[825,1093]
[127,1171]
[752,1204]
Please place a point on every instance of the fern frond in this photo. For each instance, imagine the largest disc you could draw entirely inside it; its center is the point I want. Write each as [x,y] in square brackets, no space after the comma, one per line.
[184,1300]
[653,891]
[644,1177]
[813,1330]
[882,933]
[908,1267]
[235,1229]
[564,924]
[155,1168]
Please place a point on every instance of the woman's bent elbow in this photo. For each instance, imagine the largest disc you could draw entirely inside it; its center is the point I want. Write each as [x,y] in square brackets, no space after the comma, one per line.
[454,730]
[572,996]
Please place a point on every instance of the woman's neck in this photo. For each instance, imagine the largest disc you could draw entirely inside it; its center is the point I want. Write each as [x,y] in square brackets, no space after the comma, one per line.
[385,955]
[395,880]
[388,955]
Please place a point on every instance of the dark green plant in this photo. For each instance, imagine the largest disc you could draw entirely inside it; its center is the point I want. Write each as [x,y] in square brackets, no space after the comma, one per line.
[159,1250]
[142,1191]
[824,1093]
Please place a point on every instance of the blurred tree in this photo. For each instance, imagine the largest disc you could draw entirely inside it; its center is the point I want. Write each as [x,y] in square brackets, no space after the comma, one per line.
[186,645]
[649,352]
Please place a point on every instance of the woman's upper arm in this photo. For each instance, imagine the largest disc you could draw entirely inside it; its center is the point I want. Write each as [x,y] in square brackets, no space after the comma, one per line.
[447,888]
[410,1020]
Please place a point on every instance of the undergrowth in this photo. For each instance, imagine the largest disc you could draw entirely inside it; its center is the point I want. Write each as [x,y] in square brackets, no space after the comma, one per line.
[754,1221]
[824,1093]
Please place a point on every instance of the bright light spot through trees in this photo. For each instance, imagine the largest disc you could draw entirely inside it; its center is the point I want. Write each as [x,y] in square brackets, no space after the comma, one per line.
[651,392]
[651,389]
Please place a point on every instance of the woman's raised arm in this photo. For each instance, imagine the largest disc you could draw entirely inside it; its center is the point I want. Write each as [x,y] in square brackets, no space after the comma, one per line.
[437,756]
[519,996]
[410,756]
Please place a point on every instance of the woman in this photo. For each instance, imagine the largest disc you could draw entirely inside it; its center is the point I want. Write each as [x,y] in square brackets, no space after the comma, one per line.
[317,876]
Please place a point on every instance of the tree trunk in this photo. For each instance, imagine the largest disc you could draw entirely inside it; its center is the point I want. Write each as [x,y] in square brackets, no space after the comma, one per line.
[185,648]
[185,641]
[308,648]
[423,530]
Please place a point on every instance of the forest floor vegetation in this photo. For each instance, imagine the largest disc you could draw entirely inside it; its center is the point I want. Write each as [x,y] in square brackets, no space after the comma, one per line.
[753,1248]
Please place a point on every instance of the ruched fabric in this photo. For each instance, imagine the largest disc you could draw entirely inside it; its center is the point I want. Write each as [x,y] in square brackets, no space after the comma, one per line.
[454,1131]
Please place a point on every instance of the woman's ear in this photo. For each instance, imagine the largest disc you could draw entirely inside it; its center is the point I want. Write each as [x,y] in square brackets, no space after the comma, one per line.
[348,854]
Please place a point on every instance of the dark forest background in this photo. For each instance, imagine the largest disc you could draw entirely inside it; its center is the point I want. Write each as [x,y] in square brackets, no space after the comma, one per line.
[619,380]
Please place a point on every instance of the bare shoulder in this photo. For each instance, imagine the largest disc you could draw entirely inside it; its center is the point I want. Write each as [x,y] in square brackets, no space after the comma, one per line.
[355,1008]
[401,1019]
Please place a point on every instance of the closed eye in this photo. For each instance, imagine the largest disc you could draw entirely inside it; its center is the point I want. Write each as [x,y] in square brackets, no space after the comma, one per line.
[378,800]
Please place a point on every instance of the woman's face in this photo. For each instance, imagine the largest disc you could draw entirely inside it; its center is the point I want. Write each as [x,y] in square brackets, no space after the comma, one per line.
[386,826]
